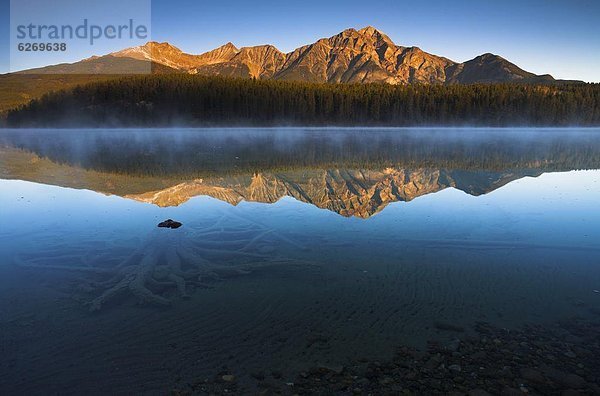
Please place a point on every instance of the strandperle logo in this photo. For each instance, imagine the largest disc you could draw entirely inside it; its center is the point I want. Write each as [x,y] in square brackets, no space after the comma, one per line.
[85,31]
[74,36]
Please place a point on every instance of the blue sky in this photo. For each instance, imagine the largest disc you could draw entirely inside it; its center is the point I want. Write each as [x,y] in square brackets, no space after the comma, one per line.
[560,37]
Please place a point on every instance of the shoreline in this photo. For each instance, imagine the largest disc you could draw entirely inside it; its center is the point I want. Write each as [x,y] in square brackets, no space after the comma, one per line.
[563,359]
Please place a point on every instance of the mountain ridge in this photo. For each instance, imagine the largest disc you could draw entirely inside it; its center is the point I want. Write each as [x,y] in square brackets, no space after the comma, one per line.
[365,55]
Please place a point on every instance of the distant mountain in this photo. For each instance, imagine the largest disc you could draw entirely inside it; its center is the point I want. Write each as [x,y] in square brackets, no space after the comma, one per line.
[490,68]
[107,64]
[352,56]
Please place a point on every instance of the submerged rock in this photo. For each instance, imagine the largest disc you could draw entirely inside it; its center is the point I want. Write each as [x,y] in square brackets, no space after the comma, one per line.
[448,327]
[169,223]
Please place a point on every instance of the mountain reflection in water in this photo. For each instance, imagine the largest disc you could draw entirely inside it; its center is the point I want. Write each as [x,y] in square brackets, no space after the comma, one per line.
[351,172]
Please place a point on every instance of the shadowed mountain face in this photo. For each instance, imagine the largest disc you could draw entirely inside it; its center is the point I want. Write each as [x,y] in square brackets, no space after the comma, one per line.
[490,68]
[352,56]
[104,65]
[350,172]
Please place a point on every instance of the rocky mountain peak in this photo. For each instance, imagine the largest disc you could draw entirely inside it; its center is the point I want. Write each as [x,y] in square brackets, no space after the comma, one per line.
[229,45]
[376,34]
[152,50]
[369,30]
[265,47]
[161,46]
[352,38]
[489,57]
[221,54]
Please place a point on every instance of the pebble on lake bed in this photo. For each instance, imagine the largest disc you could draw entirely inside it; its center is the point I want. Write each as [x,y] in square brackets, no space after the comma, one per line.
[169,223]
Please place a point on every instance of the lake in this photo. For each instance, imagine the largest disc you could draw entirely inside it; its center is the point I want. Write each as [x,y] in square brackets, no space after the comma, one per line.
[349,260]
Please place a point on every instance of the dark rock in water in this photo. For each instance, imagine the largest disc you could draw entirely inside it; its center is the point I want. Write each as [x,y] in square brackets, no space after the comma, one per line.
[335,369]
[448,327]
[508,391]
[479,392]
[453,345]
[258,375]
[228,378]
[170,224]
[570,392]
[532,376]
[566,379]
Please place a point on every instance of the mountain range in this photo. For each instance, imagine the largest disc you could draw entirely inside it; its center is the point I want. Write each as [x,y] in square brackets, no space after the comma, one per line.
[352,56]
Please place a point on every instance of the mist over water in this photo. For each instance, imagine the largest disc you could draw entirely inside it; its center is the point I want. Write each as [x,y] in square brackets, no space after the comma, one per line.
[300,248]
[197,151]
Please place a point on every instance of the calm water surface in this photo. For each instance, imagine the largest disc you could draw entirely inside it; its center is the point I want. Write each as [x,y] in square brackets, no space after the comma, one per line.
[298,248]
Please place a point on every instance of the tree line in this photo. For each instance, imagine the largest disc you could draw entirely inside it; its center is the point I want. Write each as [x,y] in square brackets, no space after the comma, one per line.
[193,100]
